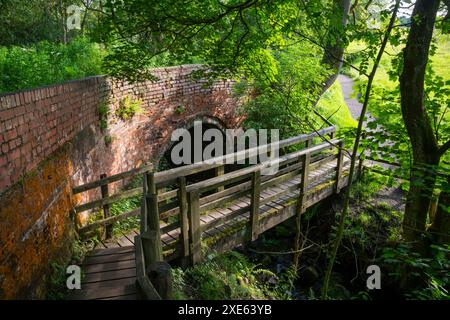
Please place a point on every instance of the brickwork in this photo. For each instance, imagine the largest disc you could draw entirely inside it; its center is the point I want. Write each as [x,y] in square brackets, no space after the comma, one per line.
[51,139]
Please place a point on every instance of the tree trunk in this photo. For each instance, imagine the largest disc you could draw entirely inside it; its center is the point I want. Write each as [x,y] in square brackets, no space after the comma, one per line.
[441,223]
[334,49]
[340,232]
[423,141]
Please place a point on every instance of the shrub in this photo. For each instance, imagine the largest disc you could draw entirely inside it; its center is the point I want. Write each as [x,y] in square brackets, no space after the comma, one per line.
[47,63]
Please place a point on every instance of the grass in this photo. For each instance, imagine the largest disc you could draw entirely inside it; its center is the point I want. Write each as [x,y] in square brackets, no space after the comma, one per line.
[332,105]
[440,61]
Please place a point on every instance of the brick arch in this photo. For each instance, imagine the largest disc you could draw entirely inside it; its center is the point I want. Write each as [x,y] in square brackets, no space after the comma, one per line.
[51,140]
[189,124]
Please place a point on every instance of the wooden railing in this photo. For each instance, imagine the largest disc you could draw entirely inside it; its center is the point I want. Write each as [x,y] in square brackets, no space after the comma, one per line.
[170,184]
[250,182]
[107,200]
[185,203]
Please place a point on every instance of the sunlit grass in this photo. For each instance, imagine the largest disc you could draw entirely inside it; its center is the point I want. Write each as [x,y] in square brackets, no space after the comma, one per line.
[332,105]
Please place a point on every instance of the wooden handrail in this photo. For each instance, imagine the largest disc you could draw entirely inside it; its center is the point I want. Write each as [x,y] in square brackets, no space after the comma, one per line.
[111,179]
[217,181]
[172,174]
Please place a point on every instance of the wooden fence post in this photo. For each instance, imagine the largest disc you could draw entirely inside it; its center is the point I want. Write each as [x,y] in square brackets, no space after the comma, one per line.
[152,235]
[306,159]
[106,212]
[340,164]
[160,275]
[183,218]
[254,205]
[309,143]
[194,227]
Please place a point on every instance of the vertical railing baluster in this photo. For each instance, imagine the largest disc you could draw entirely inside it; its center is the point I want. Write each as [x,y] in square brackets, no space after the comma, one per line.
[183,218]
[106,213]
[220,171]
[194,227]
[306,159]
[254,205]
[340,163]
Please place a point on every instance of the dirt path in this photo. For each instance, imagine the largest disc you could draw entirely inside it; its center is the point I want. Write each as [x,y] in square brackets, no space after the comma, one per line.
[393,196]
[354,106]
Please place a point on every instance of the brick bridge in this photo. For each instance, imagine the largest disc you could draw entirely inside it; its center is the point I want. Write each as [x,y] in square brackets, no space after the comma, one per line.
[57,137]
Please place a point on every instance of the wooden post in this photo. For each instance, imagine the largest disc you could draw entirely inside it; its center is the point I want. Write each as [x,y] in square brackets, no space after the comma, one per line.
[144,209]
[340,164]
[145,287]
[220,171]
[153,233]
[183,218]
[309,143]
[306,159]
[160,275]
[151,241]
[194,227]
[106,213]
[254,205]
[152,203]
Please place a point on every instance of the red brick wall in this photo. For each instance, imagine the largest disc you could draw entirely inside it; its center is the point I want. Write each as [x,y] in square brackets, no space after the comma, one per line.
[50,140]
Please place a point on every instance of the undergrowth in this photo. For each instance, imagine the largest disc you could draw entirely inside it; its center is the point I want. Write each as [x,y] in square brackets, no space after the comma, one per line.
[229,276]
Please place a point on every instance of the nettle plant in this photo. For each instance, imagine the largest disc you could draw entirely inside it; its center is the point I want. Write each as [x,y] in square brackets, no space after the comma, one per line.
[128,107]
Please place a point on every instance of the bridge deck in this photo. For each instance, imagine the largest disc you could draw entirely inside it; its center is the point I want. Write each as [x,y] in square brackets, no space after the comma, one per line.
[110,273]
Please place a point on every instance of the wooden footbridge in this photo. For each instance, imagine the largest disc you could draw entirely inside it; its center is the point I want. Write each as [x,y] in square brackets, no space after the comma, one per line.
[180,221]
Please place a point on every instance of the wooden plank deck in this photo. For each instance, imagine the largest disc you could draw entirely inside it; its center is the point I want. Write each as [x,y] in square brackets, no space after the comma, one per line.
[110,272]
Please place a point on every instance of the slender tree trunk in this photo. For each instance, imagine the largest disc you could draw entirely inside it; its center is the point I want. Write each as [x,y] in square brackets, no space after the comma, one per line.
[334,49]
[423,141]
[344,212]
[441,222]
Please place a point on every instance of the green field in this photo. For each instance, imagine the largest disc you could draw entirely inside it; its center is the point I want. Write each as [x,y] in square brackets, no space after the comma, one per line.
[440,61]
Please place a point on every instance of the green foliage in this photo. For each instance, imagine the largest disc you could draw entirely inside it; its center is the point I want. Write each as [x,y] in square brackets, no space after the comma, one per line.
[123,206]
[128,107]
[103,112]
[180,109]
[126,205]
[228,276]
[57,282]
[57,276]
[280,86]
[108,140]
[31,21]
[385,101]
[224,36]
[23,22]
[46,63]
[368,185]
[428,275]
